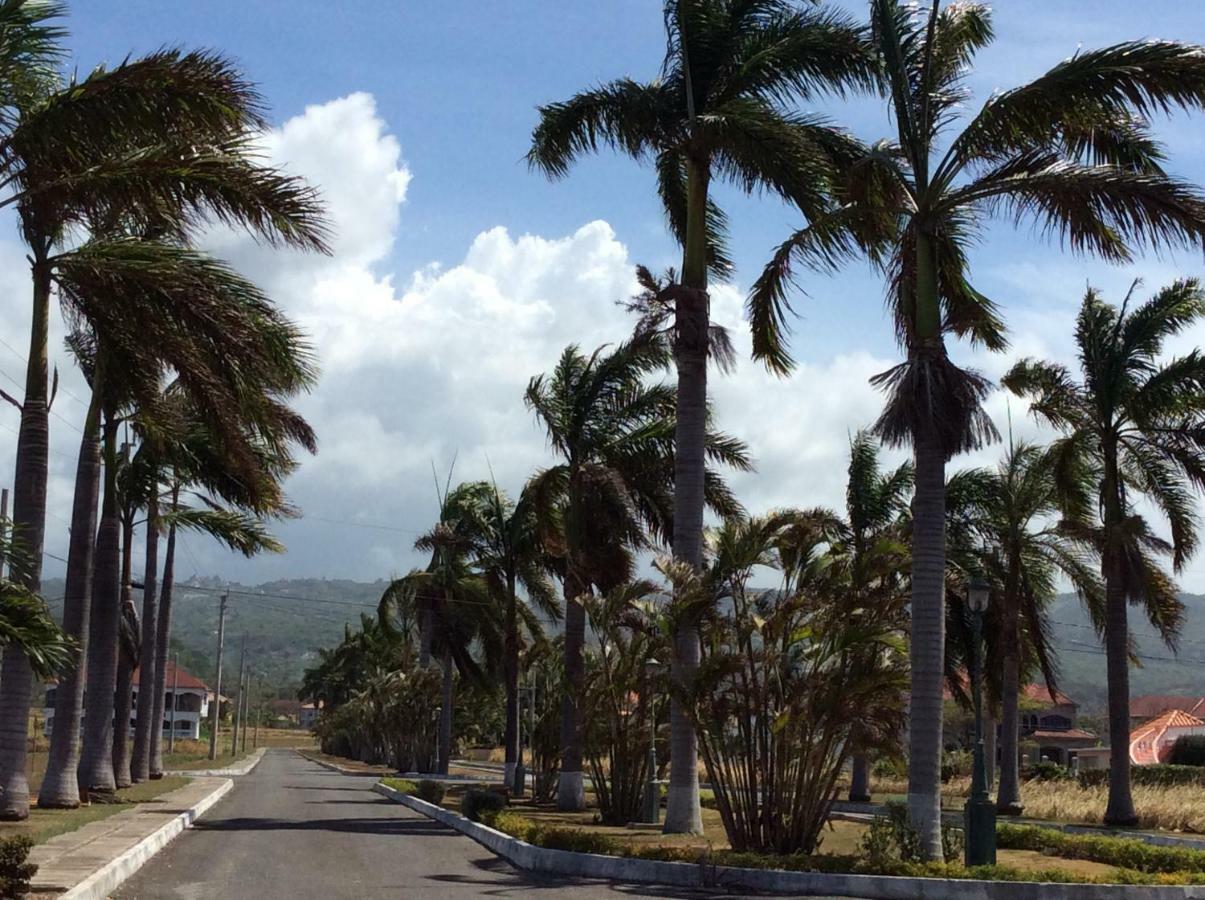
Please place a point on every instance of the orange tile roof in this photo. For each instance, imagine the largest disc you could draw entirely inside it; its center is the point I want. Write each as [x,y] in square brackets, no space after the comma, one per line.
[1070,734]
[1153,704]
[1145,740]
[187,681]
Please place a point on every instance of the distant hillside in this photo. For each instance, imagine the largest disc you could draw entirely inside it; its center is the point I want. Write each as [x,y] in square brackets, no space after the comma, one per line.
[1082,661]
[286,622]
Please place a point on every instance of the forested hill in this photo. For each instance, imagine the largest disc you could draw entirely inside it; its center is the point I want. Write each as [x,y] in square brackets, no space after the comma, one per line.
[286,622]
[1082,661]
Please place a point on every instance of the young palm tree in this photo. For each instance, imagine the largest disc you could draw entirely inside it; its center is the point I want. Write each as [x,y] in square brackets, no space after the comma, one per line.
[1023,549]
[717,111]
[872,552]
[1071,152]
[615,435]
[1133,428]
[168,131]
[510,555]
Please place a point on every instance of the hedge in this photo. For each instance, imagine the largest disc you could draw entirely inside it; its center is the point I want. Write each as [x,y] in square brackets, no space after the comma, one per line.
[1149,776]
[1125,853]
[1188,750]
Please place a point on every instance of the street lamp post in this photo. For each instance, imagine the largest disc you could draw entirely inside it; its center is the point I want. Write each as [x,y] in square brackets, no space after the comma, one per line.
[979,812]
[519,786]
[652,790]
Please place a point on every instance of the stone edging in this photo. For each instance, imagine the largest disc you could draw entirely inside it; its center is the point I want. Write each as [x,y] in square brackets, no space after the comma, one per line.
[243,768]
[691,875]
[337,768]
[108,877]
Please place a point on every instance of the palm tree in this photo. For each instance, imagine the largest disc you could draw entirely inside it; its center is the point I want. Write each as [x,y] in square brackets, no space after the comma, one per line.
[125,142]
[1023,549]
[615,436]
[718,110]
[451,598]
[871,551]
[511,554]
[1071,152]
[1133,428]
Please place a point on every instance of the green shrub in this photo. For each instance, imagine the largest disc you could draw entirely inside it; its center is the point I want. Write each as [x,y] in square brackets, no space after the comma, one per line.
[477,801]
[431,791]
[1045,771]
[15,872]
[1150,776]
[401,785]
[956,764]
[1188,750]
[1125,853]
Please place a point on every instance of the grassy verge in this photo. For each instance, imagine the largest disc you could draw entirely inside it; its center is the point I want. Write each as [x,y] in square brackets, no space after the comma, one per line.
[44,824]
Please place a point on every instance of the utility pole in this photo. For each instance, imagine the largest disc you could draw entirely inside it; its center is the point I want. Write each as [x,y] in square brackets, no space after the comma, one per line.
[238,702]
[171,737]
[217,690]
[3,527]
[246,711]
[259,708]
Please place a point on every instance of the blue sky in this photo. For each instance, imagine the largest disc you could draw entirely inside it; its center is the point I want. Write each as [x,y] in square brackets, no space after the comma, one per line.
[413,118]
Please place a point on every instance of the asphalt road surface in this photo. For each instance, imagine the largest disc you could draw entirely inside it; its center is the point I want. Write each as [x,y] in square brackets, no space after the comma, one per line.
[292,829]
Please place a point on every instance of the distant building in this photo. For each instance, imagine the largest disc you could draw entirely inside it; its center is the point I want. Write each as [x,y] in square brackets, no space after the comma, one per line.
[309,714]
[191,703]
[1049,722]
[1144,709]
[1152,742]
[285,709]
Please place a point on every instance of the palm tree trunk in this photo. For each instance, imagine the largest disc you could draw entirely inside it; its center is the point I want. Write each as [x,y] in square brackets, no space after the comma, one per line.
[445,715]
[148,663]
[683,813]
[122,703]
[122,706]
[927,644]
[571,788]
[426,632]
[1120,808]
[29,526]
[162,643]
[60,787]
[511,664]
[1008,796]
[859,780]
[96,767]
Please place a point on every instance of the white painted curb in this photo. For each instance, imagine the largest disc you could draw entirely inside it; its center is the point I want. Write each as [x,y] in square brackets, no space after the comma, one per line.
[691,875]
[229,772]
[106,879]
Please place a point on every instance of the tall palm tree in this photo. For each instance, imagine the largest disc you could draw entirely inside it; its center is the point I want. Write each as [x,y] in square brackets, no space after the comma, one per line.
[510,555]
[119,142]
[1023,550]
[1132,428]
[615,436]
[717,110]
[1070,152]
[871,551]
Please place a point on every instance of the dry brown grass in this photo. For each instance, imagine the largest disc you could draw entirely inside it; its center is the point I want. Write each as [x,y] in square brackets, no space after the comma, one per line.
[1165,808]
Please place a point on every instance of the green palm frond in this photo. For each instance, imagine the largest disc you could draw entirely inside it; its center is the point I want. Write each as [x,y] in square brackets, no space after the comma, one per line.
[247,534]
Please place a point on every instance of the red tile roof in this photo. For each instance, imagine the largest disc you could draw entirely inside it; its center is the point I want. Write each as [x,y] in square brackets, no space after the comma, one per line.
[1070,734]
[1152,705]
[1037,693]
[187,681]
[1145,741]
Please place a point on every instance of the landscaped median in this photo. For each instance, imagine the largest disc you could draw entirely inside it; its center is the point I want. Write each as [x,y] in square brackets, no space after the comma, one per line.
[1142,872]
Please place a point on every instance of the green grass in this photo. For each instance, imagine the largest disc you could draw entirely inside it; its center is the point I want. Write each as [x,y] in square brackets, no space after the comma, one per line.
[44,824]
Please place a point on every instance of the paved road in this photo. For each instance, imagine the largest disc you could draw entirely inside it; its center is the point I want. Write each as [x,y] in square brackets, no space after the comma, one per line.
[292,829]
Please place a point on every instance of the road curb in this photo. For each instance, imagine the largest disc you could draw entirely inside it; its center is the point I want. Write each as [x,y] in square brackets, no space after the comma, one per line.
[336,768]
[230,772]
[112,874]
[523,855]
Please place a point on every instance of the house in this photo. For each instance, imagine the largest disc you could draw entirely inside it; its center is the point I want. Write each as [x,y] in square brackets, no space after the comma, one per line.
[1048,721]
[309,714]
[191,702]
[1152,742]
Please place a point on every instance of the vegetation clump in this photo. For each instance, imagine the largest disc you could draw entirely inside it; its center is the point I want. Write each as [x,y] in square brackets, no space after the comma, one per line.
[477,801]
[15,872]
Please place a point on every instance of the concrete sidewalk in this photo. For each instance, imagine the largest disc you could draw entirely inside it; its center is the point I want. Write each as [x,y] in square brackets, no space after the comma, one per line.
[91,861]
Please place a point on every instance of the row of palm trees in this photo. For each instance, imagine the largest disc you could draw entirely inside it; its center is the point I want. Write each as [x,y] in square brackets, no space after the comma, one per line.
[1040,516]
[1071,151]
[190,367]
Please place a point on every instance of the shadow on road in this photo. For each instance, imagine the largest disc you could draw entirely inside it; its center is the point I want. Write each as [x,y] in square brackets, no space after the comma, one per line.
[396,827]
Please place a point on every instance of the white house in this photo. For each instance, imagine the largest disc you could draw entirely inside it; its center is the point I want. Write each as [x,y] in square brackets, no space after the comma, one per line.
[191,695]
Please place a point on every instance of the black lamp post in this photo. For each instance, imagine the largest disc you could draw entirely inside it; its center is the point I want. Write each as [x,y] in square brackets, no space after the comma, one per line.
[652,790]
[979,812]
[518,785]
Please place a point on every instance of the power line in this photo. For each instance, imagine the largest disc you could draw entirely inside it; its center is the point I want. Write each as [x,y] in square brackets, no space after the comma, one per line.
[24,359]
[372,525]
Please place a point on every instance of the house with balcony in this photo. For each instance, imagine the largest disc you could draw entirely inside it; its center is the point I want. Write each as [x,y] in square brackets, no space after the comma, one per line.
[186,704]
[1049,725]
